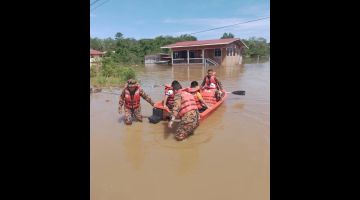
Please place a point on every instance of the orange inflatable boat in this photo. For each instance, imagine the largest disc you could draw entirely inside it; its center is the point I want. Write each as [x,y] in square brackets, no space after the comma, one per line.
[159,113]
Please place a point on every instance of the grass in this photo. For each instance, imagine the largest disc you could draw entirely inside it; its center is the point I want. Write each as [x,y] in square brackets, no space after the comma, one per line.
[110,75]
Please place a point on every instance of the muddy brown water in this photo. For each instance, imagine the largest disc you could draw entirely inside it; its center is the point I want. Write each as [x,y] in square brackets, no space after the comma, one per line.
[227,158]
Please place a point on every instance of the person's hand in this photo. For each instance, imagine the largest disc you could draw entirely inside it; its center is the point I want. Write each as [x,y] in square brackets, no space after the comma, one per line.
[170,124]
[171,121]
[119,110]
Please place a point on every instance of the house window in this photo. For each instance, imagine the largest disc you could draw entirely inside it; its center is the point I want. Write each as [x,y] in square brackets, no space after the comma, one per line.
[234,51]
[191,54]
[227,51]
[230,51]
[176,55]
[180,54]
[217,52]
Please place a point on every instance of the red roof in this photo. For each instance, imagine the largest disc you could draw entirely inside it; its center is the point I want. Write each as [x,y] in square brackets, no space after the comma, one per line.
[202,43]
[94,52]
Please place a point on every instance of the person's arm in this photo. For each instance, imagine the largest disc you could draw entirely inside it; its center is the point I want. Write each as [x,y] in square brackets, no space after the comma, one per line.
[219,84]
[121,100]
[175,110]
[203,83]
[199,96]
[165,100]
[146,97]
[177,105]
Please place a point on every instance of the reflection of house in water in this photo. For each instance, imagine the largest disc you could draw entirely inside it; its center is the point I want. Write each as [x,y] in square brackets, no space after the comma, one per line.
[227,51]
[160,58]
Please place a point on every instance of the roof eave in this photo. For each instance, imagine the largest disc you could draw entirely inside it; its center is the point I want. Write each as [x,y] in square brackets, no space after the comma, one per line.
[167,47]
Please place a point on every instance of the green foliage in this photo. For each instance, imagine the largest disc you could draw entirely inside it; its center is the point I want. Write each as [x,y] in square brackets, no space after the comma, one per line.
[100,80]
[93,71]
[127,73]
[110,73]
[129,51]
[118,36]
[257,47]
[227,35]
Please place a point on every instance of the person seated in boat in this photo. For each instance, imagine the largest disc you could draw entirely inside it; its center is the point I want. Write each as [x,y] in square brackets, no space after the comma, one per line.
[168,102]
[195,90]
[185,108]
[210,81]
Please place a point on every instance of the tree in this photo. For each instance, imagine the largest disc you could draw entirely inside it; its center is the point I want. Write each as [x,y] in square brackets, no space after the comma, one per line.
[187,37]
[132,51]
[227,35]
[118,36]
[96,43]
[257,47]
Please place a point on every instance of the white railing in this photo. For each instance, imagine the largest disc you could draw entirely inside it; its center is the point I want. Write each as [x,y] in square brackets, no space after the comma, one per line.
[211,61]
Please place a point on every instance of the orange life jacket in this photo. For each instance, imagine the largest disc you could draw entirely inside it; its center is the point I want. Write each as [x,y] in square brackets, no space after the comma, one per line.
[209,96]
[193,91]
[210,80]
[170,99]
[187,103]
[132,102]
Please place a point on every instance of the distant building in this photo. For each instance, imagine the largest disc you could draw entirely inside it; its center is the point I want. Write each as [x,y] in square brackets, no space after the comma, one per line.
[227,51]
[95,56]
[160,58]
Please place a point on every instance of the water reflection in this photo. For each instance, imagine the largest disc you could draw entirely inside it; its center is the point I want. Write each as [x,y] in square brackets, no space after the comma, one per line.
[134,148]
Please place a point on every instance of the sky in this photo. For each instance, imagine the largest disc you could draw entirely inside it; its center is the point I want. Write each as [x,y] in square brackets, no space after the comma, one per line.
[146,19]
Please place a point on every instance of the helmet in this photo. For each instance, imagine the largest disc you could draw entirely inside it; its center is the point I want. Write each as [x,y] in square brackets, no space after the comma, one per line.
[132,83]
[169,92]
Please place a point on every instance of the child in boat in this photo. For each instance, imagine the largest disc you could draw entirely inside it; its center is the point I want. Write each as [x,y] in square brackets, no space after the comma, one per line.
[168,101]
[195,90]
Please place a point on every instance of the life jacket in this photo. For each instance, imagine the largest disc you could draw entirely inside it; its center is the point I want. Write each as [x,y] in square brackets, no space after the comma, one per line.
[170,99]
[187,103]
[209,96]
[193,91]
[132,103]
[210,80]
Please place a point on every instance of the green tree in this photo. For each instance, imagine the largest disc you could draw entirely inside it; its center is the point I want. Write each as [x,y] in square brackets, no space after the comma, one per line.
[187,37]
[227,35]
[96,43]
[118,36]
[257,47]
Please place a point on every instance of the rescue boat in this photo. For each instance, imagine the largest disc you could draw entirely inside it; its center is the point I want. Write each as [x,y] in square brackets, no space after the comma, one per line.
[160,113]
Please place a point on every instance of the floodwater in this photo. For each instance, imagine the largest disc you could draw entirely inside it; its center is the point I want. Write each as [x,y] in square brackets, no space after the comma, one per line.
[228,157]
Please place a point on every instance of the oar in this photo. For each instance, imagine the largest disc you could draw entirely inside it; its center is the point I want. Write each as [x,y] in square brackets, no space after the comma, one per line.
[238,92]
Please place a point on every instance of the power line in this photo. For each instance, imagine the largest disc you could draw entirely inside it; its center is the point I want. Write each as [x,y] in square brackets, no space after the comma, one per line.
[230,25]
[99,5]
[94,2]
